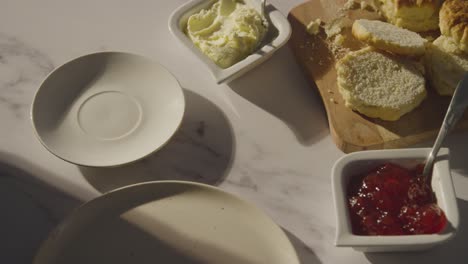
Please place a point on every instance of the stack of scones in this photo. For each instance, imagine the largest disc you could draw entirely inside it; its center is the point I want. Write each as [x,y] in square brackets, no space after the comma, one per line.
[387,79]
[447,56]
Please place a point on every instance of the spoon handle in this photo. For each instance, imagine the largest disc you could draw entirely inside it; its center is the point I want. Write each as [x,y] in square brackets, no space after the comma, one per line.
[263,7]
[455,110]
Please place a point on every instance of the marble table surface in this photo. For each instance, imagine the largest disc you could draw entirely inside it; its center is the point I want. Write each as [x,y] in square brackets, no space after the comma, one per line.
[263,137]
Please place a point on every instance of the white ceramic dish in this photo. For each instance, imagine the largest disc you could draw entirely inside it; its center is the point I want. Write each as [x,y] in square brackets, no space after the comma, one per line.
[107,109]
[278,34]
[360,162]
[167,222]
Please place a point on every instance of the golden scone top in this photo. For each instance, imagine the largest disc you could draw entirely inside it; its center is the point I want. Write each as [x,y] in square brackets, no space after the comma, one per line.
[454,22]
[401,3]
[415,15]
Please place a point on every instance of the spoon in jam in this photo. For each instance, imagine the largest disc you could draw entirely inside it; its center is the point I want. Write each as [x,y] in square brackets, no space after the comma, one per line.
[263,7]
[455,110]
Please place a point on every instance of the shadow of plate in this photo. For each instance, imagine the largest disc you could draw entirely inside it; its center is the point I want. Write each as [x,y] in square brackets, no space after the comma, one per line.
[200,151]
[305,254]
[30,210]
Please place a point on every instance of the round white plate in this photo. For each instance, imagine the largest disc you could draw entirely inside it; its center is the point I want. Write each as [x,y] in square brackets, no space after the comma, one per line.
[107,109]
[167,222]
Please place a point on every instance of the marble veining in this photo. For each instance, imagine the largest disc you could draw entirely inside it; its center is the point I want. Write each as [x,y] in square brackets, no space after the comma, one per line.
[22,68]
[240,136]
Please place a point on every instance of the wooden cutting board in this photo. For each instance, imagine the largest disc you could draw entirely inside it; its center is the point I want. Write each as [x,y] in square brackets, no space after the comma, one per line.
[350,130]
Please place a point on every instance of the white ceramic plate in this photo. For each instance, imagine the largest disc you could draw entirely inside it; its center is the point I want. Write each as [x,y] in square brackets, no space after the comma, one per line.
[107,109]
[278,34]
[167,222]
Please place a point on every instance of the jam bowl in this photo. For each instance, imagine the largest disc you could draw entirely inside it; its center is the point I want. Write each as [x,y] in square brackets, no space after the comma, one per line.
[375,226]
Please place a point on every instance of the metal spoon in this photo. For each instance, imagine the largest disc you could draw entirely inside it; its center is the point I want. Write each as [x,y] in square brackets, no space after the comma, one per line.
[455,110]
[263,7]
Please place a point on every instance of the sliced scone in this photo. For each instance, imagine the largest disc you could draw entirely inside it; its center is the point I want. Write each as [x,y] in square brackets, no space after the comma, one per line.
[445,65]
[454,22]
[389,37]
[415,15]
[448,45]
[380,85]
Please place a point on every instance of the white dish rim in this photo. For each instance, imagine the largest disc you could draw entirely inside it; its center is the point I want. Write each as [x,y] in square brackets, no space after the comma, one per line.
[277,20]
[74,216]
[344,236]
[36,133]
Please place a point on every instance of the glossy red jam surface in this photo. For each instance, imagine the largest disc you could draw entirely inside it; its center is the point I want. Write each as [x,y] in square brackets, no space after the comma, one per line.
[391,200]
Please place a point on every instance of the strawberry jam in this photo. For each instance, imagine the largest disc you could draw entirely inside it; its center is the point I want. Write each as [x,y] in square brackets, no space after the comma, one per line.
[391,200]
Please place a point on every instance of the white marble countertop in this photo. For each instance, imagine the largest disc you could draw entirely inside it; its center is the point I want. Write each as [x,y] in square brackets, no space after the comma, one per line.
[263,137]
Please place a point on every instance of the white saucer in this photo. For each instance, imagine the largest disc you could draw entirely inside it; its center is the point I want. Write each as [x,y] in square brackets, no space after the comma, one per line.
[107,109]
[167,222]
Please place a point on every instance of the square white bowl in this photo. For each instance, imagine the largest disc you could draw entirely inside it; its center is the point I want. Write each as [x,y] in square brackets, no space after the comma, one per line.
[278,34]
[359,162]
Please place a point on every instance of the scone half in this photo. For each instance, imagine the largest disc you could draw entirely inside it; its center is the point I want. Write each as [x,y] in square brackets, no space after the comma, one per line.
[445,68]
[380,85]
[454,22]
[389,37]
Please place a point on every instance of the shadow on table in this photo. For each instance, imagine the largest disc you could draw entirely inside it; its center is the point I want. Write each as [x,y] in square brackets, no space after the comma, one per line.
[30,209]
[305,253]
[295,103]
[453,252]
[200,151]
[458,144]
